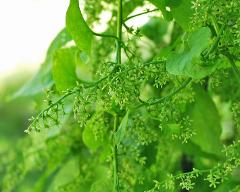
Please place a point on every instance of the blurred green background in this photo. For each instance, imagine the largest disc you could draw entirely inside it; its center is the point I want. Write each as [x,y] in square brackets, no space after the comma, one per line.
[14,115]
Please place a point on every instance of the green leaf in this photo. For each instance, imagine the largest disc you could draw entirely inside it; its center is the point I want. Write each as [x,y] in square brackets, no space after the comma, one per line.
[65,175]
[78,28]
[89,138]
[61,39]
[43,78]
[64,67]
[83,67]
[106,151]
[173,3]
[41,81]
[162,6]
[206,122]
[182,11]
[155,29]
[121,129]
[199,40]
[159,4]
[188,62]
[102,185]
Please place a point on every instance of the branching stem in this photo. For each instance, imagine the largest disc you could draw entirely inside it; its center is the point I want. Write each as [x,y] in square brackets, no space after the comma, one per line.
[87,85]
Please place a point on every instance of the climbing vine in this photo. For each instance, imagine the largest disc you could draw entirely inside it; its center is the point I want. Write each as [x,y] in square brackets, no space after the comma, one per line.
[136,108]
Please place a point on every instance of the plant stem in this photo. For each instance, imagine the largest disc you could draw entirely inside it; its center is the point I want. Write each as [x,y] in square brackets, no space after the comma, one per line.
[119,32]
[234,66]
[115,158]
[119,62]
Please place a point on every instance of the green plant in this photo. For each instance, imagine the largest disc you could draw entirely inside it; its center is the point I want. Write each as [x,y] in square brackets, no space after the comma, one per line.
[117,121]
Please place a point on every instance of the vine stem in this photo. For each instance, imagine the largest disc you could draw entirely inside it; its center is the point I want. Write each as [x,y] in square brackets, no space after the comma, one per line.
[115,157]
[119,32]
[119,62]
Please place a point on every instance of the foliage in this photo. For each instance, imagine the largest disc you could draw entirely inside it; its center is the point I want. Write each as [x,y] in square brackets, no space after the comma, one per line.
[123,116]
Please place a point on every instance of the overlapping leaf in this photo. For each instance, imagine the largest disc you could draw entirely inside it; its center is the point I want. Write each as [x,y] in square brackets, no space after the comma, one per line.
[188,62]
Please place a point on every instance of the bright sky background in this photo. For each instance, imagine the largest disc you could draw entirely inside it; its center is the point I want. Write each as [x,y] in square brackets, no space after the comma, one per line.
[26,29]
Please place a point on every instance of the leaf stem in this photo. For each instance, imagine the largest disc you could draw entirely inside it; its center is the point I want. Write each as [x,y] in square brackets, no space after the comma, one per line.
[106,35]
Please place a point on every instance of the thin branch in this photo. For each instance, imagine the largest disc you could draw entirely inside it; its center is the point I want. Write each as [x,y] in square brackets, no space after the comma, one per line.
[41,114]
[219,32]
[157,101]
[215,44]
[234,66]
[88,85]
[127,28]
[139,14]
[69,93]
[178,176]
